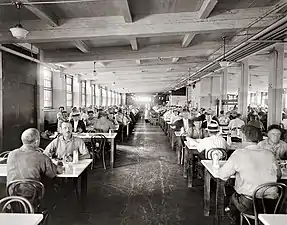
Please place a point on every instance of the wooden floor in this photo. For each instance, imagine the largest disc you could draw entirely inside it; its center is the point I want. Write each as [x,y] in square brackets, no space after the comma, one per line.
[146,187]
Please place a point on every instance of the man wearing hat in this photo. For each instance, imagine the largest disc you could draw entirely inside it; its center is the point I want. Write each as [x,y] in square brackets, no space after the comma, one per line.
[213,141]
[273,142]
[77,124]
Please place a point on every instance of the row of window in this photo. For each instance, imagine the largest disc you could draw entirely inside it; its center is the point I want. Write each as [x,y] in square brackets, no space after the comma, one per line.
[100,96]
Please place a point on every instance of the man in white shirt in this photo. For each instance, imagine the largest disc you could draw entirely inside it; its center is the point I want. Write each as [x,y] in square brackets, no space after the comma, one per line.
[236,123]
[252,167]
[213,141]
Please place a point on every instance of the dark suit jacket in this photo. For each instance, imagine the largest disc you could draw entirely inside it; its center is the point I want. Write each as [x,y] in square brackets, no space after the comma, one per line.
[179,124]
[81,125]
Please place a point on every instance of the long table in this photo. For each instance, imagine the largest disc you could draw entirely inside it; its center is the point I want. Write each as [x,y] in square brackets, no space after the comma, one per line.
[75,171]
[210,172]
[190,151]
[20,218]
[273,219]
[86,137]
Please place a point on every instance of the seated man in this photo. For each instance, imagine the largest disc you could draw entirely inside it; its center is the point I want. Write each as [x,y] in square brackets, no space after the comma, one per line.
[77,124]
[28,162]
[213,141]
[91,120]
[223,119]
[185,123]
[273,142]
[64,145]
[236,123]
[103,123]
[252,167]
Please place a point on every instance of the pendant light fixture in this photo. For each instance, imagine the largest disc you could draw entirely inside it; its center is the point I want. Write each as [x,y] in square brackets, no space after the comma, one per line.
[224,63]
[18,31]
[95,72]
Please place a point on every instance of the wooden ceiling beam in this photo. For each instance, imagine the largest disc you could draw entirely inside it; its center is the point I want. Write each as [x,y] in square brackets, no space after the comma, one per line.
[82,46]
[134,44]
[125,10]
[125,53]
[187,39]
[206,8]
[39,12]
[152,25]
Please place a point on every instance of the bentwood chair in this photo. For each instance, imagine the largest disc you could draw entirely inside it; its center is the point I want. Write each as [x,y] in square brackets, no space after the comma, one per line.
[32,190]
[4,156]
[261,204]
[98,147]
[16,204]
[222,152]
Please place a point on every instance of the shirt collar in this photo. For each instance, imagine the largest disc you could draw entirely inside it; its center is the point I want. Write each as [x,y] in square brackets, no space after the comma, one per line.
[62,138]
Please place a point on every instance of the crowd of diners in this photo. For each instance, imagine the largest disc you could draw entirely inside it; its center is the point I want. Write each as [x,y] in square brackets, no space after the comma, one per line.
[30,162]
[258,161]
[100,119]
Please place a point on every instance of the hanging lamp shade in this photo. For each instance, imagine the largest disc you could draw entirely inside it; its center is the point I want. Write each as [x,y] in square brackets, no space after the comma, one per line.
[224,63]
[19,32]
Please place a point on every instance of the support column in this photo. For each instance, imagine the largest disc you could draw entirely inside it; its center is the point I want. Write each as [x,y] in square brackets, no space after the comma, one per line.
[40,93]
[1,103]
[243,88]
[258,97]
[210,93]
[275,85]
[224,88]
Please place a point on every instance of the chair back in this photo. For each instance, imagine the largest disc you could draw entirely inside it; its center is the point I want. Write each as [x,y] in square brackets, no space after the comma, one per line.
[5,154]
[98,142]
[260,198]
[16,204]
[221,151]
[32,190]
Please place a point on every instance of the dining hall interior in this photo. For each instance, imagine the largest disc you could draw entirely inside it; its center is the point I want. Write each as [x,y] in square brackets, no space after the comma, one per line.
[133,112]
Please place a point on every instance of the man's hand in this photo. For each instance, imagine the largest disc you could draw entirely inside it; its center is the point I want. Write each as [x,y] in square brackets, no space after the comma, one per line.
[69,158]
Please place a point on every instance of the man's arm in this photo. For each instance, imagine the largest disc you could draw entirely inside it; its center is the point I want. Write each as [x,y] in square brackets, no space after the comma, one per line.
[50,150]
[48,167]
[228,169]
[283,151]
[84,152]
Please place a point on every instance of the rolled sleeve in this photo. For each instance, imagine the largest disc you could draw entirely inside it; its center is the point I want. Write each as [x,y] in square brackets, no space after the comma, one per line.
[228,169]
[51,148]
[49,168]
[82,147]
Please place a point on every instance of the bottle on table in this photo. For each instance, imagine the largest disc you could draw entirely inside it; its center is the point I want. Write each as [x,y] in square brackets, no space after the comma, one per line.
[75,156]
[110,132]
[229,139]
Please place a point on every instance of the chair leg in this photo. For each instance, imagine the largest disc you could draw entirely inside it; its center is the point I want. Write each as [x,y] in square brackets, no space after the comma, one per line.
[241,219]
[103,158]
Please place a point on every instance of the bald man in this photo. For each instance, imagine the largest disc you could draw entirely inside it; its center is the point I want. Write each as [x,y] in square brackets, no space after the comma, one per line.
[28,162]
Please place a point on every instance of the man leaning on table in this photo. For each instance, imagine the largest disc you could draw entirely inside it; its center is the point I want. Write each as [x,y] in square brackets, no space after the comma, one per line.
[64,145]
[252,167]
[28,162]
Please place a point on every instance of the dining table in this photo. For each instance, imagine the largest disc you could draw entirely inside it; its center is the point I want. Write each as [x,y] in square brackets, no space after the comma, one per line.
[76,171]
[20,218]
[211,172]
[86,137]
[273,219]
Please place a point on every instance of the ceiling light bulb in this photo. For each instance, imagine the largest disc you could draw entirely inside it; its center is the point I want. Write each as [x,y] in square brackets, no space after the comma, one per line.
[224,63]
[19,32]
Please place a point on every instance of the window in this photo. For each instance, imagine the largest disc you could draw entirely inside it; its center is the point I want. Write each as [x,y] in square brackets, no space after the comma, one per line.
[93,94]
[69,91]
[48,97]
[83,93]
